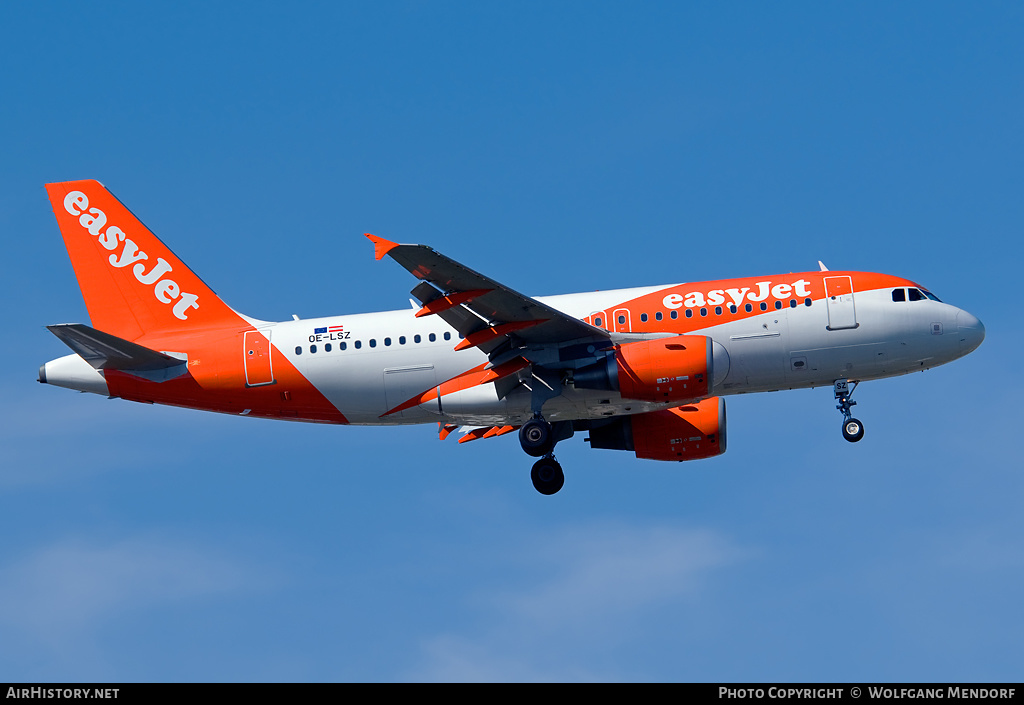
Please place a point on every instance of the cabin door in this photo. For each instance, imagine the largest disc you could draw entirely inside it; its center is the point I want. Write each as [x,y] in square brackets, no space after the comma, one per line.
[259,368]
[839,299]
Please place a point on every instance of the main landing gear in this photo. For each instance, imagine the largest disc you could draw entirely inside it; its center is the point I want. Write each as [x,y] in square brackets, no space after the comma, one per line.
[853,429]
[547,475]
[538,438]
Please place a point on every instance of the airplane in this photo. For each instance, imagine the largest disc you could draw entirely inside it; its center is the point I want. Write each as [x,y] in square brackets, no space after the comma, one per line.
[644,369]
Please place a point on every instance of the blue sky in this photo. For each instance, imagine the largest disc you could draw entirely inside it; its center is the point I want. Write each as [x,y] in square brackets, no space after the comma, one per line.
[557,147]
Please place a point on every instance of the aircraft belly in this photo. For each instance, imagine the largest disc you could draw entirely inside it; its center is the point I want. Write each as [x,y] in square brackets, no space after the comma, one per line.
[480,406]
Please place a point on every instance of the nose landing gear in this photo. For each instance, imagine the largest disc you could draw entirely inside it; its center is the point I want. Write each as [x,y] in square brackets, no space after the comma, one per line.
[853,429]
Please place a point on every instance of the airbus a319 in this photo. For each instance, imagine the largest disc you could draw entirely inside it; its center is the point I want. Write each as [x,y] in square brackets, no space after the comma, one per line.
[644,370]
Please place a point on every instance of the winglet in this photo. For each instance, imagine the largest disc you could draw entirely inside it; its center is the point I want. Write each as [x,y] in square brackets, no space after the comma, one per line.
[381,246]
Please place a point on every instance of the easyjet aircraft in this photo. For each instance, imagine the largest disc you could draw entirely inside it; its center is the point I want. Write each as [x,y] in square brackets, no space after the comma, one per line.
[644,370]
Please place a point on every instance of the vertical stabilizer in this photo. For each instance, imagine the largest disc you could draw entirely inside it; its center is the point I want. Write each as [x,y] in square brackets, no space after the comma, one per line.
[133,285]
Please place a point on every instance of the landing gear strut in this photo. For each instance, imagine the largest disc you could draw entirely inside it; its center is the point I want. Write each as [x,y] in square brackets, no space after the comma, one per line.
[853,429]
[538,439]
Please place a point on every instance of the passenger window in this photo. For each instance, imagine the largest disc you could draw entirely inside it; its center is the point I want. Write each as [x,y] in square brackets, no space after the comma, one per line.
[643,318]
[416,338]
[899,294]
[359,344]
[387,342]
[689,313]
[312,348]
[764,306]
[703,312]
[807,302]
[401,340]
[658,316]
[342,346]
[597,322]
[718,310]
[298,350]
[327,347]
[732,308]
[373,342]
[675,314]
[447,335]
[778,305]
[432,337]
[622,319]
[749,308]
[792,303]
[916,295]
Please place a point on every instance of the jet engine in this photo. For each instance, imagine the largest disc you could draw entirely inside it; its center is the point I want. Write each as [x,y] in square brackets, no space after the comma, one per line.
[688,432]
[678,369]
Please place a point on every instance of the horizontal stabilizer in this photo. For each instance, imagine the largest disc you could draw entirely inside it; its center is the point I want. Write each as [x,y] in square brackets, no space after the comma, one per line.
[108,352]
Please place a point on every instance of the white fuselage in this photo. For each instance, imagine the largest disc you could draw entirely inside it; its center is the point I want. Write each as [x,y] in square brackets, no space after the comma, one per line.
[787,348]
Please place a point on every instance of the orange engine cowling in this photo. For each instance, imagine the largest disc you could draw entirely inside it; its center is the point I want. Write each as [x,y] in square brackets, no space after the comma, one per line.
[670,370]
[666,370]
[688,432]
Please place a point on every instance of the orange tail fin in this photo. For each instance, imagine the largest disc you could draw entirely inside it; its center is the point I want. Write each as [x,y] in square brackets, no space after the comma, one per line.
[133,285]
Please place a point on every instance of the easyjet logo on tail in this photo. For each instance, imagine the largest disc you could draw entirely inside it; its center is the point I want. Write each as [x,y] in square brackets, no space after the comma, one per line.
[166,290]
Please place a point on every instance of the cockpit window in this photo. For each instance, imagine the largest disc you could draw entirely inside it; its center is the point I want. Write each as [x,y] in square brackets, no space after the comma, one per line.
[899,294]
[930,295]
[916,295]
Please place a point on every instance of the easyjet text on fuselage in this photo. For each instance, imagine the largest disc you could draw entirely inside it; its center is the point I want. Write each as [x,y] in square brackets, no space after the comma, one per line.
[737,295]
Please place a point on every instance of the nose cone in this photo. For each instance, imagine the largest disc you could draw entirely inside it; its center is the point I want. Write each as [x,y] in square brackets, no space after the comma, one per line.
[970,330]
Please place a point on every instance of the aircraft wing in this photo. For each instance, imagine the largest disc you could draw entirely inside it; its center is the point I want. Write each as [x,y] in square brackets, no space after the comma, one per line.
[485,312]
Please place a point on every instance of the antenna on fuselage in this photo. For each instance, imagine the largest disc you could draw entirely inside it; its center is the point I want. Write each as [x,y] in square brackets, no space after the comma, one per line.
[822,265]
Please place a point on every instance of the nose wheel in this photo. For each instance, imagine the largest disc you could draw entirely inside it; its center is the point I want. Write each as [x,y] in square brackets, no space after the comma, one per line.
[853,429]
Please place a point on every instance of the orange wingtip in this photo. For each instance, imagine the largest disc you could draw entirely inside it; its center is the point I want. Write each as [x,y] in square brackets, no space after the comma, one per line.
[381,246]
